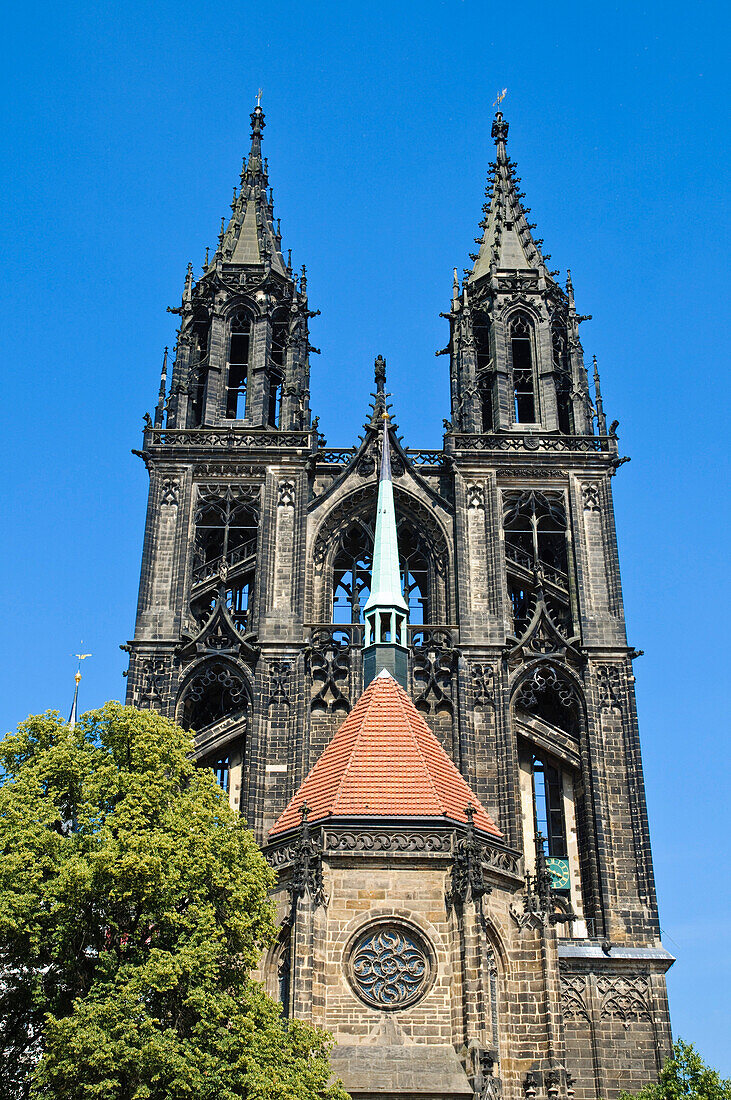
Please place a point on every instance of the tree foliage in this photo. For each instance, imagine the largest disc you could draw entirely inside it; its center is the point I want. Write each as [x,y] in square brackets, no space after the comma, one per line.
[134,905]
[685,1076]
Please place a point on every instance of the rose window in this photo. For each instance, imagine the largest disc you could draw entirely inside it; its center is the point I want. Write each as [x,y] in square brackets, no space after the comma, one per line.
[390,966]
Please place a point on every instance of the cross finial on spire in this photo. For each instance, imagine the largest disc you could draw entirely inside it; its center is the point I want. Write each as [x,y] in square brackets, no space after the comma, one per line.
[259,94]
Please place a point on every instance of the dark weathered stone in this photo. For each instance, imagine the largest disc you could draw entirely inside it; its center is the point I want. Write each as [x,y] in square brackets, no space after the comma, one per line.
[509,532]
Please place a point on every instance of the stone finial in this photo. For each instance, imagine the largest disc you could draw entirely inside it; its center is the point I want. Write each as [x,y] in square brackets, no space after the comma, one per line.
[499,131]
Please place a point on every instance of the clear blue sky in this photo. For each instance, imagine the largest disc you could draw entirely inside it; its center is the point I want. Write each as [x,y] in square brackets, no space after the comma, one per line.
[123,139]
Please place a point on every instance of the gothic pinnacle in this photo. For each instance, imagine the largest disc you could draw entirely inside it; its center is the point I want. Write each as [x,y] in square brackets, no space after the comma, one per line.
[160,408]
[569,288]
[601,420]
[255,166]
[188,290]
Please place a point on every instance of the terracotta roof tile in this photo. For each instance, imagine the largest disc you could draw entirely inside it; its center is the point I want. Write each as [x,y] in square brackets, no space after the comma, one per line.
[384,761]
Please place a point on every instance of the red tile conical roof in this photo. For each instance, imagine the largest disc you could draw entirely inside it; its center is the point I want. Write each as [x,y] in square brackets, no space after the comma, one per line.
[384,761]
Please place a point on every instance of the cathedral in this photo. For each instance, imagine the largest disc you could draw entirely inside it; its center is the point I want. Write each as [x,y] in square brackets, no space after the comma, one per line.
[409,670]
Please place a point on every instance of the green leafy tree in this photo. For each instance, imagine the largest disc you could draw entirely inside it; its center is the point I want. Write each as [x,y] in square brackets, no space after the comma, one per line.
[134,905]
[685,1076]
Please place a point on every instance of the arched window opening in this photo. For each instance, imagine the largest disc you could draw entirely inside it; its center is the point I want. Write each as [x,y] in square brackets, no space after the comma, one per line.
[414,574]
[536,540]
[226,530]
[225,547]
[216,691]
[562,375]
[485,370]
[238,366]
[550,695]
[201,333]
[352,572]
[278,359]
[521,345]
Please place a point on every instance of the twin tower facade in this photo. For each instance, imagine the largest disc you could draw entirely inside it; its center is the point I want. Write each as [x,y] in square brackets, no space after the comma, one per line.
[465,885]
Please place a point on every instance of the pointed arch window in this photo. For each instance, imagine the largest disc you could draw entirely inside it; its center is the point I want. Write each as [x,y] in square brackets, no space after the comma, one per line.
[523,367]
[562,376]
[226,537]
[352,572]
[201,334]
[485,369]
[239,351]
[226,529]
[215,692]
[278,359]
[536,541]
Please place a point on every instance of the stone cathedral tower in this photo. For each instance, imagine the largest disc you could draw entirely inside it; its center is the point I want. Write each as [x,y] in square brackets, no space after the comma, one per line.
[465,893]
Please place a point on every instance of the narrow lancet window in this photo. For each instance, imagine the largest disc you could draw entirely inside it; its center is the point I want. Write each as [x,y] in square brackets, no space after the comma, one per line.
[485,370]
[199,371]
[521,346]
[562,377]
[278,356]
[238,366]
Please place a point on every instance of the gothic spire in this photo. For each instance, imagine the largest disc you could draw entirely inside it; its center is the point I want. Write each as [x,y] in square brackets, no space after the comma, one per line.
[251,237]
[386,577]
[386,611]
[507,242]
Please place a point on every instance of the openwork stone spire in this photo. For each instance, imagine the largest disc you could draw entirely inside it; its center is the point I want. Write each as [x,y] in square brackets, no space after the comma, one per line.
[252,237]
[507,242]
